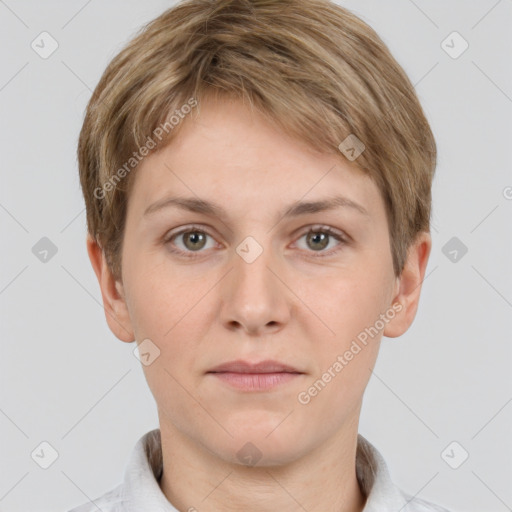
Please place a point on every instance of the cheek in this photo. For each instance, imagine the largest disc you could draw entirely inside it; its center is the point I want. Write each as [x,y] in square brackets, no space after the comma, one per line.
[171,312]
[348,303]
[159,297]
[168,312]
[350,306]
[346,358]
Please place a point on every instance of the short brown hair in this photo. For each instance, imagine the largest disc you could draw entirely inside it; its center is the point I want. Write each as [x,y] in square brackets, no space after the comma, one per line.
[310,66]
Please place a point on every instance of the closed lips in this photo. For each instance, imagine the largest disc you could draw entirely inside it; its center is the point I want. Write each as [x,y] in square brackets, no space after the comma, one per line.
[240,366]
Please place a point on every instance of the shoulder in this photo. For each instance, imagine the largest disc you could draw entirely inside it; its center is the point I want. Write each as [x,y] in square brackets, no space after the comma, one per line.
[111,501]
[376,483]
[420,505]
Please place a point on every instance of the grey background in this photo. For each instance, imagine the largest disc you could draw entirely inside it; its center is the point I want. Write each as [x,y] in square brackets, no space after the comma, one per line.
[67,380]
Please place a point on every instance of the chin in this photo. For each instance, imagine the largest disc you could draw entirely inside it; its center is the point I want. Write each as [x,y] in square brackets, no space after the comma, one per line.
[263,445]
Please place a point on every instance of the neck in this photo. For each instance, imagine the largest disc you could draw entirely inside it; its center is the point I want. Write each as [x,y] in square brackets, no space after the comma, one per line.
[194,479]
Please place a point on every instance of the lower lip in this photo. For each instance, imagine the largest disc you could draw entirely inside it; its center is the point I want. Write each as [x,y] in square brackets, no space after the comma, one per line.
[255,381]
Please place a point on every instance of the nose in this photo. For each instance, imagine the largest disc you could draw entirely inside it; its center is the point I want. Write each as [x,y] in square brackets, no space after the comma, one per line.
[254,297]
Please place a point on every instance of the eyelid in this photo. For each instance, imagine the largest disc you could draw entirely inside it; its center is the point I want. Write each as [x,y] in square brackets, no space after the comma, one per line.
[186,229]
[342,238]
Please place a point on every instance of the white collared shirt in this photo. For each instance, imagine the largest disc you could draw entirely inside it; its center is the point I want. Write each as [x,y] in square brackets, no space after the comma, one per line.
[140,490]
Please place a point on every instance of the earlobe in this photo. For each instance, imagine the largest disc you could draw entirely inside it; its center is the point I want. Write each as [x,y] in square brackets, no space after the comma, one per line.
[409,286]
[112,291]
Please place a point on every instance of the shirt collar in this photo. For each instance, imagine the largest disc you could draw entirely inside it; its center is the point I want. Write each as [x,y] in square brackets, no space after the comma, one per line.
[141,490]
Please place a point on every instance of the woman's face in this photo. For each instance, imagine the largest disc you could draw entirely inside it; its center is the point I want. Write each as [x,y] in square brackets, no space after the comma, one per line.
[230,273]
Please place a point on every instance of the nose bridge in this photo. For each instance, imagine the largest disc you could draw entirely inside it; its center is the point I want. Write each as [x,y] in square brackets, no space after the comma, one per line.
[252,275]
[251,264]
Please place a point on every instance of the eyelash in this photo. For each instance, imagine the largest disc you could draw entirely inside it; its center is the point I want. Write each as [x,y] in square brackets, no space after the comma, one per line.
[315,229]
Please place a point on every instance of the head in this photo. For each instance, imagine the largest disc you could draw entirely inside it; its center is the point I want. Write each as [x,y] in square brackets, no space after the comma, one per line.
[243,111]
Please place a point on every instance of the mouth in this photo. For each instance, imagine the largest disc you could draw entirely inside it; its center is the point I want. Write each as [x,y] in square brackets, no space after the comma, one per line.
[267,366]
[262,376]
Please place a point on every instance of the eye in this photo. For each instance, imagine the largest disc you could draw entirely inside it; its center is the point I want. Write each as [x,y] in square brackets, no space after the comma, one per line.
[190,240]
[193,239]
[318,238]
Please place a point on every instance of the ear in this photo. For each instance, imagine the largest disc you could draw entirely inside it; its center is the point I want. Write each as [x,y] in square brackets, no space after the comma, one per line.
[114,304]
[409,286]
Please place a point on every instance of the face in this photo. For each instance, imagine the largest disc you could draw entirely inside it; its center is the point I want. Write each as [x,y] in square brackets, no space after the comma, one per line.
[254,277]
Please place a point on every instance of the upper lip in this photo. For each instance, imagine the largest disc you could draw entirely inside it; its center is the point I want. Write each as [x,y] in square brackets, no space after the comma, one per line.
[240,366]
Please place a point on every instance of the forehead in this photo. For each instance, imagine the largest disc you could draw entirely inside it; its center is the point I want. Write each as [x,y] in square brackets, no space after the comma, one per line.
[231,155]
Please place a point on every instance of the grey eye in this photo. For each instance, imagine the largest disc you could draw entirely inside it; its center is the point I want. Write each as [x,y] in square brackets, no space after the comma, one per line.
[194,240]
[318,239]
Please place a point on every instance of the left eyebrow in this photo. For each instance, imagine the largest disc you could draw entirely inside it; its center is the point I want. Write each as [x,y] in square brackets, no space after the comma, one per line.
[295,209]
[322,205]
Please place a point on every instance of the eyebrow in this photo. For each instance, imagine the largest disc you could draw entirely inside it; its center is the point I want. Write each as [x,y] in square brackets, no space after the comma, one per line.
[296,209]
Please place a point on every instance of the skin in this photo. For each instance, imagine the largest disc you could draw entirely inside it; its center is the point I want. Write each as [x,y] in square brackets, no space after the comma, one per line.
[290,304]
